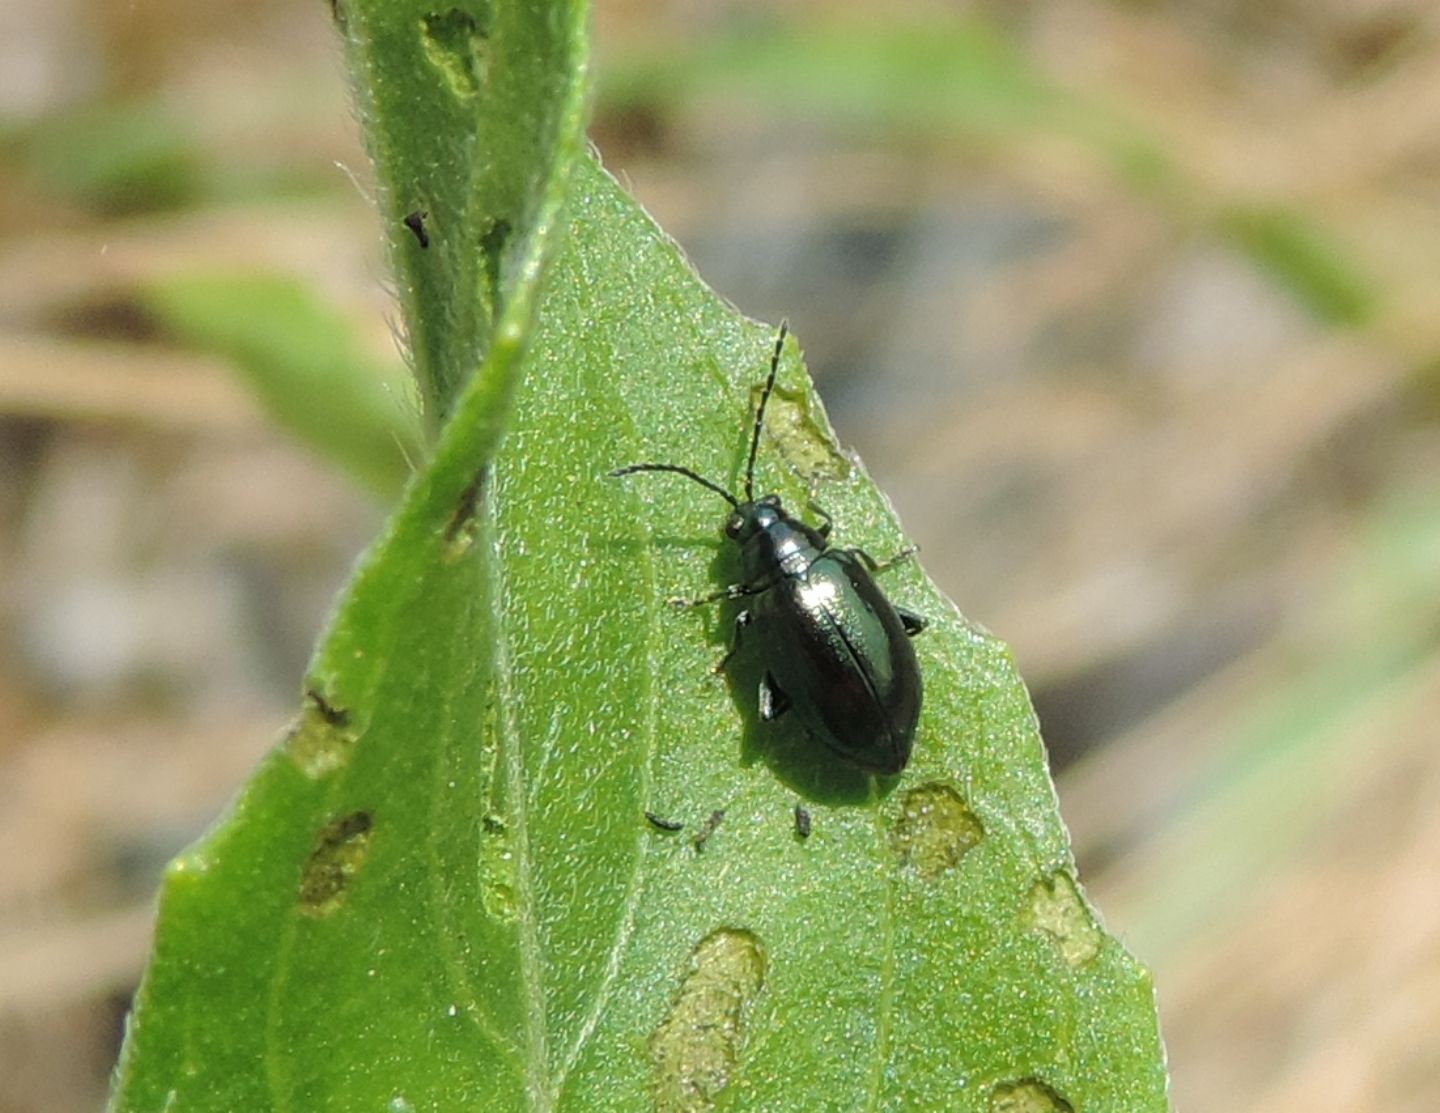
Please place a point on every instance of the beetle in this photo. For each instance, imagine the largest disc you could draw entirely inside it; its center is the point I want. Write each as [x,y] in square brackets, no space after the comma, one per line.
[836,651]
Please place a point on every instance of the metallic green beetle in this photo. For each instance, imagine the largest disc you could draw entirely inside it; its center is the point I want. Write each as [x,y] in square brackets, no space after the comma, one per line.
[836,651]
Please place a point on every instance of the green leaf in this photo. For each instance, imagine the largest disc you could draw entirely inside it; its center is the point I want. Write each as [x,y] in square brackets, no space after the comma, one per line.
[456,102]
[229,1016]
[441,891]
[301,360]
[927,946]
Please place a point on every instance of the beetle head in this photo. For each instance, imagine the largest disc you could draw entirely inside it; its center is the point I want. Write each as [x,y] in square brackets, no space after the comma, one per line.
[751,518]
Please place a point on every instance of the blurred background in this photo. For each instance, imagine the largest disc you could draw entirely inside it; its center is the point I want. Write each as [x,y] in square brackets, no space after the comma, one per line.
[1132,306]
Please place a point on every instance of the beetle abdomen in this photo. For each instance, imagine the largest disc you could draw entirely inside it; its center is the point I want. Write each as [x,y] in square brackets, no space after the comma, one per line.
[841,653]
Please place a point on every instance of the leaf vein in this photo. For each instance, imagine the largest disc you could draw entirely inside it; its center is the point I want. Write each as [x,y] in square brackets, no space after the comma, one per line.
[635,885]
[444,918]
[886,1007]
[528,942]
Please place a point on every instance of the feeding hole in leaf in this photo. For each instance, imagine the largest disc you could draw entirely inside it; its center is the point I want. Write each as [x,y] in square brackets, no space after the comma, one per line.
[696,1050]
[416,223]
[1029,1095]
[935,829]
[457,43]
[460,530]
[799,434]
[492,250]
[340,850]
[320,740]
[1056,908]
[497,869]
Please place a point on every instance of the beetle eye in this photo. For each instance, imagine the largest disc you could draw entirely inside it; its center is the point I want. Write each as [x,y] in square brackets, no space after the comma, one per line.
[733,525]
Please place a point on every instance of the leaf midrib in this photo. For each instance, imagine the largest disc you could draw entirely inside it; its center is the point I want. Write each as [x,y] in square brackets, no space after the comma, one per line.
[532,985]
[483,1018]
[636,884]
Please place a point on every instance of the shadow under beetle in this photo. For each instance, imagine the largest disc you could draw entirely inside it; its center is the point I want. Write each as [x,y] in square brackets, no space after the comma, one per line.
[836,651]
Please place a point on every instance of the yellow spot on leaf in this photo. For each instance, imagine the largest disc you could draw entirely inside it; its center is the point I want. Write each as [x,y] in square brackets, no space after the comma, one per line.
[935,829]
[1057,909]
[696,1050]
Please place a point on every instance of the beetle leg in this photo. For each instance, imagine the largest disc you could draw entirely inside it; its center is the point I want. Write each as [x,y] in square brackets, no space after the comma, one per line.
[734,591]
[912,622]
[826,522]
[742,620]
[881,565]
[773,702]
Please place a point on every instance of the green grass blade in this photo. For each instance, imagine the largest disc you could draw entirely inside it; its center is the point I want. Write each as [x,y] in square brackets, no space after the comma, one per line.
[300,358]
[1312,265]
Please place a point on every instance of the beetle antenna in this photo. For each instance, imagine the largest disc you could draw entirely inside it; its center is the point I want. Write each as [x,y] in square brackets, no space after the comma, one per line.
[760,411]
[678,470]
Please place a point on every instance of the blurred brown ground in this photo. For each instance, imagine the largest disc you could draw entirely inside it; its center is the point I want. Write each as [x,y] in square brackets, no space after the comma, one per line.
[1201,508]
